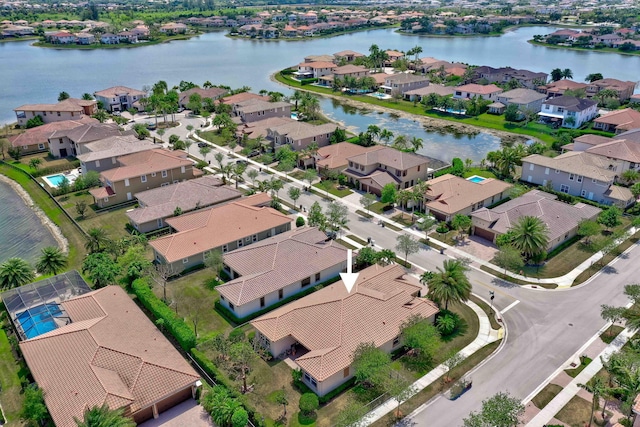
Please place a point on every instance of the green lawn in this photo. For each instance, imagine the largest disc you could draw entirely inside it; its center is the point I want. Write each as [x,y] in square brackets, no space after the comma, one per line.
[605,260]
[379,207]
[479,172]
[404,218]
[584,361]
[112,221]
[335,189]
[611,333]
[212,136]
[577,412]
[45,162]
[10,390]
[546,395]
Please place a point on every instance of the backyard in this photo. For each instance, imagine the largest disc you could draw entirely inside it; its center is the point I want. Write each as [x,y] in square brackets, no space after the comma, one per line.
[10,388]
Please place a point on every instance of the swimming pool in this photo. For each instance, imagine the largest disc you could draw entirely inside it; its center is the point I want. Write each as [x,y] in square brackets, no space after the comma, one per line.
[380,95]
[476,179]
[39,320]
[56,179]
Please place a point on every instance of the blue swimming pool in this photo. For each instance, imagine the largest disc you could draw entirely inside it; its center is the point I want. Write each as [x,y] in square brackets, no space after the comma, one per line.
[55,179]
[39,320]
[476,179]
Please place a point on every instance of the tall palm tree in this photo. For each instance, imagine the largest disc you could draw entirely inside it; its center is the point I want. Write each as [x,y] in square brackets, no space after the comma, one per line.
[556,74]
[102,416]
[401,142]
[15,272]
[530,236]
[51,260]
[605,94]
[598,388]
[374,131]
[386,135]
[450,283]
[297,96]
[567,73]
[416,143]
[506,161]
[386,256]
[97,240]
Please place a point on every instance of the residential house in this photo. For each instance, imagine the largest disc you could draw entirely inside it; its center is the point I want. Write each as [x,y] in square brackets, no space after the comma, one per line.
[142,171]
[241,97]
[128,37]
[105,350]
[224,228]
[372,170]
[608,40]
[62,37]
[102,154]
[141,31]
[259,128]
[173,28]
[348,55]
[321,331]
[525,99]
[299,135]
[570,111]
[525,78]
[334,157]
[350,70]
[618,121]
[36,140]
[69,109]
[213,93]
[109,38]
[16,30]
[420,93]
[578,174]
[86,38]
[624,89]
[307,70]
[269,271]
[558,88]
[584,142]
[449,195]
[470,90]
[403,82]
[68,141]
[562,219]
[119,98]
[635,99]
[393,56]
[253,110]
[158,204]
[620,155]
[319,58]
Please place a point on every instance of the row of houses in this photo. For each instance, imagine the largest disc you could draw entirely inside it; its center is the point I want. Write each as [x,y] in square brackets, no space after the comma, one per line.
[590,37]
[134,35]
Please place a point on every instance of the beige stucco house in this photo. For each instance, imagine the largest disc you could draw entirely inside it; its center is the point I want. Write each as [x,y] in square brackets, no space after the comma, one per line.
[69,109]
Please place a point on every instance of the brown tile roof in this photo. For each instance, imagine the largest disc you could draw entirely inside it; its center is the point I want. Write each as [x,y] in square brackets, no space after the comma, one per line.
[394,54]
[259,127]
[335,155]
[432,88]
[626,119]
[347,69]
[41,134]
[146,162]
[68,105]
[114,146]
[349,53]
[562,85]
[577,162]
[479,89]
[318,64]
[614,84]
[88,132]
[620,149]
[208,229]
[331,323]
[243,96]
[272,264]
[451,194]
[213,93]
[255,105]
[389,157]
[110,353]
[118,91]
[301,130]
[591,139]
[188,195]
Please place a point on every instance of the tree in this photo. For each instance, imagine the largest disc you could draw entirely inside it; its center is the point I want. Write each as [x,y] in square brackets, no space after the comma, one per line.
[160,275]
[587,229]
[407,245]
[426,225]
[34,410]
[370,364]
[310,175]
[610,217]
[593,77]
[567,73]
[87,96]
[450,283]
[198,303]
[253,174]
[461,223]
[630,175]
[51,260]
[530,236]
[102,416]
[386,135]
[204,151]
[15,272]
[219,159]
[101,269]
[367,200]
[63,95]
[316,218]
[351,415]
[386,257]
[598,388]
[454,359]
[508,258]
[97,240]
[336,216]
[237,171]
[416,143]
[35,163]
[280,397]
[134,263]
[242,354]
[556,74]
[275,185]
[294,194]
[101,116]
[195,103]
[389,194]
[81,207]
[215,261]
[501,410]
[611,314]
[308,403]
[511,113]
[398,387]
[419,334]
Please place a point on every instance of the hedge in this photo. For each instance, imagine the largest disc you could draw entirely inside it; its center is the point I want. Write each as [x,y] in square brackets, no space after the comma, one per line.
[303,388]
[176,326]
[456,168]
[54,169]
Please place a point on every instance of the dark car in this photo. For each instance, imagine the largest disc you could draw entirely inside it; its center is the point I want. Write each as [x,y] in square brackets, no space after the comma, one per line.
[241,162]
[254,153]
[202,144]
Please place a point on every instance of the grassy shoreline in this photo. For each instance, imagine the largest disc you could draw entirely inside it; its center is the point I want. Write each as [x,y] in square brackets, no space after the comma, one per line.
[585,49]
[306,38]
[113,46]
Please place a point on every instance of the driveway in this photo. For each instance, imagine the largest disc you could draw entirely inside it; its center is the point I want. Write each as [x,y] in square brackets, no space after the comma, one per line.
[479,247]
[188,413]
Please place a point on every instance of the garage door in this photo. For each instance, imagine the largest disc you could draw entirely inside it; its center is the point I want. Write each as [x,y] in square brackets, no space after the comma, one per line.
[485,234]
[172,401]
[143,415]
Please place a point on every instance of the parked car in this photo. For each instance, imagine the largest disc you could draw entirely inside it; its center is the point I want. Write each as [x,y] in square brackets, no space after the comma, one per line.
[241,162]
[254,153]
[202,144]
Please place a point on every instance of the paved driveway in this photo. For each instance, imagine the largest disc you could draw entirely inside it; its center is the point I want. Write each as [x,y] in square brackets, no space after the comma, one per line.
[479,247]
[188,413]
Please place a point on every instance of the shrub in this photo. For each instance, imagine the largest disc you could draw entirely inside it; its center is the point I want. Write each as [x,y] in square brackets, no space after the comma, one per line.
[309,403]
[55,169]
[236,335]
[447,322]
[176,326]
[300,222]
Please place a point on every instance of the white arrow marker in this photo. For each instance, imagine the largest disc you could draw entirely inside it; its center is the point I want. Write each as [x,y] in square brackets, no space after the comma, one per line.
[349,278]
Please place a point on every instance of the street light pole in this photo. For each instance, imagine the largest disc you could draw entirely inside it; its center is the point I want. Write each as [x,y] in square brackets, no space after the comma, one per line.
[492,296]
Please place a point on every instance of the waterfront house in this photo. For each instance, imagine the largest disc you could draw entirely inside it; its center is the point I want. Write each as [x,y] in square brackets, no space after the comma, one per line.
[403,82]
[69,109]
[622,88]
[253,110]
[158,204]
[620,155]
[489,92]
[348,55]
[128,37]
[62,37]
[142,171]
[321,331]
[241,97]
[579,174]
[259,128]
[119,98]
[85,38]
[558,88]
[393,56]
[319,58]
[333,157]
[109,38]
[36,140]
[525,99]
[102,154]
[372,170]
[173,28]
[570,111]
[449,195]
[213,93]
[267,272]
[618,121]
[17,30]
[307,70]
[224,228]
[562,219]
[350,70]
[420,93]
[68,141]
[525,78]
[299,135]
[104,350]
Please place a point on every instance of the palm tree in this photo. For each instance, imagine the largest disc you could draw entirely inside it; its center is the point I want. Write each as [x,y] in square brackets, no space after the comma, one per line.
[567,73]
[386,256]
[51,260]
[506,161]
[297,96]
[97,240]
[606,94]
[401,142]
[530,236]
[102,416]
[386,135]
[593,77]
[374,131]
[15,272]
[598,388]
[556,74]
[87,96]
[450,283]
[416,143]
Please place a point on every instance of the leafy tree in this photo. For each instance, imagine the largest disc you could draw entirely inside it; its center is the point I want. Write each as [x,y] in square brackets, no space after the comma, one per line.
[134,263]
[310,175]
[141,131]
[630,175]
[407,245]
[215,261]
[367,200]
[352,415]
[567,73]
[454,359]
[501,410]
[308,403]
[462,223]
[34,411]
[15,272]
[592,77]
[336,216]
[389,194]
[610,217]
[611,314]
[511,113]
[81,207]
[530,236]
[101,269]
[556,74]
[34,122]
[366,256]
[253,174]
[63,95]
[386,257]
[421,336]
[243,355]
[195,103]
[316,218]
[598,388]
[370,364]
[294,194]
[588,229]
[398,387]
[102,416]
[51,260]
[504,239]
[35,163]
[508,258]
[280,397]
[97,240]
[450,283]
[426,225]
[240,418]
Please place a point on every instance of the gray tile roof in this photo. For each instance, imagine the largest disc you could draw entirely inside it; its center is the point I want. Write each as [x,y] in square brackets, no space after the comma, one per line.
[522,96]
[576,162]
[114,146]
[390,157]
[302,130]
[88,132]
[570,103]
[405,78]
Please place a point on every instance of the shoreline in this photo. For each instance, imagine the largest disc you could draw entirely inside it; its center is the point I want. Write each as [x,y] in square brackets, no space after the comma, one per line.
[584,49]
[310,38]
[55,231]
[111,46]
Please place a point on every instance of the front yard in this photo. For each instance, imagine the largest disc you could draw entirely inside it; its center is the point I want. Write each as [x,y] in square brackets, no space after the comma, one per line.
[333,188]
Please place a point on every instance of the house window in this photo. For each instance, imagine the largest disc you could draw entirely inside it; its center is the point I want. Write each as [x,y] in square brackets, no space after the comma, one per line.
[546,171]
[222,297]
[182,169]
[261,302]
[185,260]
[396,340]
[143,178]
[345,372]
[306,281]
[557,171]
[126,182]
[571,177]
[564,188]
[153,174]
[579,178]
[317,277]
[254,238]
[164,184]
[560,110]
[164,174]
[583,193]
[41,147]
[280,294]
[231,307]
[175,181]
[58,113]
[240,243]
[595,181]
[225,248]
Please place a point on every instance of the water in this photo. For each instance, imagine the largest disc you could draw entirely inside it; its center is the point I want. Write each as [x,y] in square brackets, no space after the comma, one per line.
[39,320]
[55,180]
[475,178]
[22,234]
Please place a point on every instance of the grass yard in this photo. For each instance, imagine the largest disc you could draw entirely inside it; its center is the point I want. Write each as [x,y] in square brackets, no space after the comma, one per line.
[479,172]
[379,207]
[487,309]
[546,395]
[112,221]
[404,218]
[212,136]
[577,412]
[46,162]
[335,189]
[10,389]
[358,240]
[584,361]
[611,333]
[501,275]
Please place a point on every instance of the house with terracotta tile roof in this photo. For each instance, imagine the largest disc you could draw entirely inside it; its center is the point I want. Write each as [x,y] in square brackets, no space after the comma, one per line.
[618,121]
[142,171]
[107,352]
[372,170]
[619,155]
[348,55]
[241,97]
[158,204]
[224,228]
[119,98]
[66,141]
[268,271]
[561,218]
[350,70]
[624,89]
[253,110]
[314,69]
[420,93]
[69,109]
[559,87]
[213,93]
[103,154]
[470,90]
[334,157]
[321,331]
[36,140]
[173,28]
[299,135]
[403,82]
[449,195]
